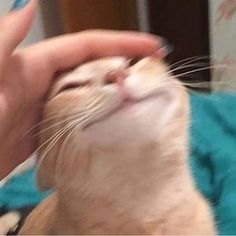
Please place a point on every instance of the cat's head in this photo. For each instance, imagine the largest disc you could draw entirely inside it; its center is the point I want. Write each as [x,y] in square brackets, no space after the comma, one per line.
[108,106]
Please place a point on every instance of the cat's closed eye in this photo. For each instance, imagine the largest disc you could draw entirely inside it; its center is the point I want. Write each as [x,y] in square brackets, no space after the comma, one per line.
[73,85]
[133,61]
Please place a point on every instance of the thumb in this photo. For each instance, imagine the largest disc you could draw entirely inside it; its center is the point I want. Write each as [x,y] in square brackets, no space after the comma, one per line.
[15,26]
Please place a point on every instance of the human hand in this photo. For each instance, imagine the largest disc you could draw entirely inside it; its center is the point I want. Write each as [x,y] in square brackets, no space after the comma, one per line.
[26,74]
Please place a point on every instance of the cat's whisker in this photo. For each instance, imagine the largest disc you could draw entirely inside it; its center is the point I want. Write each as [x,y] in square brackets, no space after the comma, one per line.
[95,102]
[53,137]
[61,122]
[45,121]
[48,140]
[62,131]
[81,114]
[169,74]
[165,79]
[56,137]
[187,66]
[209,85]
[220,66]
[205,68]
[198,84]
[77,127]
[51,118]
[189,60]
[66,129]
[54,141]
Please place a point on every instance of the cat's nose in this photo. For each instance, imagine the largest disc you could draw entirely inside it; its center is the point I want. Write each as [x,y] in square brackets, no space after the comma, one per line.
[117,76]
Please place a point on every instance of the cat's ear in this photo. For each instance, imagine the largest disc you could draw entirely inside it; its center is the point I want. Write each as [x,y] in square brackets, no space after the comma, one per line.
[46,168]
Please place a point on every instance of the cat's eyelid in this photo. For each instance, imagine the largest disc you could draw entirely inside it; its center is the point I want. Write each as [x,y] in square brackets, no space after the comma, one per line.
[74,85]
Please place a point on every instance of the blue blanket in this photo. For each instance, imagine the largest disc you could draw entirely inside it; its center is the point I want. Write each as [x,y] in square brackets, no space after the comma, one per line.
[213,158]
[213,161]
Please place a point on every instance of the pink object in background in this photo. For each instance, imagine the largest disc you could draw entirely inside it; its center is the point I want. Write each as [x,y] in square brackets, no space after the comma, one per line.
[226,9]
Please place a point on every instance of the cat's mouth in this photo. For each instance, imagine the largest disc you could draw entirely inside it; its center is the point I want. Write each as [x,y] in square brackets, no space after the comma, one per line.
[126,105]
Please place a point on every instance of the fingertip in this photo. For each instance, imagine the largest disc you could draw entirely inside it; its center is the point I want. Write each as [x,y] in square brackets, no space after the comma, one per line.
[149,43]
[20,18]
[14,27]
[161,46]
[19,4]
[155,40]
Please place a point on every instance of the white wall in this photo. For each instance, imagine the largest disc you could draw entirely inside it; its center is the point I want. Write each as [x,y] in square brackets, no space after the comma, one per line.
[223,47]
[37,31]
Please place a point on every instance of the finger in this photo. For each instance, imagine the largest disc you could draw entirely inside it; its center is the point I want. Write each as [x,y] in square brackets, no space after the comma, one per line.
[71,50]
[68,51]
[14,27]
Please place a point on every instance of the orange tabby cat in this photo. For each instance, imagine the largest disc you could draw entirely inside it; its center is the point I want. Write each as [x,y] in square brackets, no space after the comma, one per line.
[114,145]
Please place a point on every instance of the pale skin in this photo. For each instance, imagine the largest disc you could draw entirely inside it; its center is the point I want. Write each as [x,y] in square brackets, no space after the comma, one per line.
[27,73]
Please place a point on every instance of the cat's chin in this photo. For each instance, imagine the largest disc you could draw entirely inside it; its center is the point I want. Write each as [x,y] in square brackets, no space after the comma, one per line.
[133,121]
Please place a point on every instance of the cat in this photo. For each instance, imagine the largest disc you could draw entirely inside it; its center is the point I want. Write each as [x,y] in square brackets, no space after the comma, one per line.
[114,147]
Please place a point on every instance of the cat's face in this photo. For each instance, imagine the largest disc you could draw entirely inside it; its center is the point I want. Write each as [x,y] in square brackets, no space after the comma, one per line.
[108,104]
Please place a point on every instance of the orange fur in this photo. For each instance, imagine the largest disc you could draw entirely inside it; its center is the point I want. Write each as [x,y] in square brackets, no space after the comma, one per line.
[124,169]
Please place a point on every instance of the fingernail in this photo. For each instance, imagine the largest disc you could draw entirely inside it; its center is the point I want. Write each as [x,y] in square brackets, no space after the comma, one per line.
[19,4]
[166,46]
[163,42]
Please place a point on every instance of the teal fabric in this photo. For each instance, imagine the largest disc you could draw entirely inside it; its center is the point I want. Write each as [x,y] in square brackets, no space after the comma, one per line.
[213,161]
[213,158]
[21,191]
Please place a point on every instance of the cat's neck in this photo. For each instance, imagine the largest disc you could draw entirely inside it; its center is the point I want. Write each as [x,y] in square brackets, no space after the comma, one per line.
[134,183]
